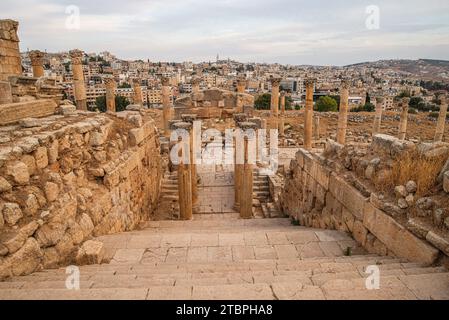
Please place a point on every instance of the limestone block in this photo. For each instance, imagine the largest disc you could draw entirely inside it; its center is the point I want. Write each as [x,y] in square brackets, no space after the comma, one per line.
[348,196]
[18,171]
[11,213]
[27,260]
[438,241]
[138,135]
[31,205]
[5,92]
[390,145]
[397,239]
[30,163]
[5,186]
[41,157]
[53,152]
[49,234]
[17,241]
[67,110]
[13,112]
[359,232]
[51,191]
[322,175]
[98,138]
[91,252]
[446,181]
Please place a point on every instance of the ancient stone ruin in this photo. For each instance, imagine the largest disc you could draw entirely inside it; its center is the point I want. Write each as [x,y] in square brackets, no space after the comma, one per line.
[102,192]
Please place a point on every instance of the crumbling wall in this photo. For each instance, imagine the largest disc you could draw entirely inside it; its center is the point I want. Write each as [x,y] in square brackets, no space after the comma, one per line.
[318,196]
[213,103]
[67,178]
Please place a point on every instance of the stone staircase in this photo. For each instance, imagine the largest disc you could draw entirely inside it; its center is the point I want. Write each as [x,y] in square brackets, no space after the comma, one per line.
[169,197]
[219,256]
[264,207]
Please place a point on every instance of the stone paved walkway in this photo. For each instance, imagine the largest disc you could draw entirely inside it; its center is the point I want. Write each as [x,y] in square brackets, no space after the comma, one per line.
[222,257]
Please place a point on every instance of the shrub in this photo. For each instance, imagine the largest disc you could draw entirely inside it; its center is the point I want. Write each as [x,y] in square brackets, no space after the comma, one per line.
[411,166]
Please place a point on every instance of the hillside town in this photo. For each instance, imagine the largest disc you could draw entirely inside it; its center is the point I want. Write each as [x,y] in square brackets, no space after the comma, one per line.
[382,78]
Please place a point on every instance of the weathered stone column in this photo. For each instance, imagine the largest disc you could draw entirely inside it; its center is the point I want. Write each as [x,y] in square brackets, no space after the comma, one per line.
[246,199]
[378,116]
[195,204]
[10,60]
[78,79]
[275,83]
[166,106]
[241,85]
[110,94]
[442,96]
[196,85]
[316,127]
[137,98]
[308,114]
[37,62]
[404,118]
[184,179]
[281,127]
[343,113]
[238,167]
[283,94]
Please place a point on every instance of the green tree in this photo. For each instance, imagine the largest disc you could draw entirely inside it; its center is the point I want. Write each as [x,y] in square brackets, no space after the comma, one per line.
[263,102]
[326,104]
[124,85]
[120,103]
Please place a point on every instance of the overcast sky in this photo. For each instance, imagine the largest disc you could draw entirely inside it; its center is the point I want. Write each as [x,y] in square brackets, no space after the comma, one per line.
[320,32]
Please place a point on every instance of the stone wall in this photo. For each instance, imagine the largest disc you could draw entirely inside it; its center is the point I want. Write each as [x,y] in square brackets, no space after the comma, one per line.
[67,178]
[10,61]
[319,197]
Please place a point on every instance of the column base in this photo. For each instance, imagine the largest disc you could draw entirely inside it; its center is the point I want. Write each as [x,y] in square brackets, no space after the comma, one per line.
[81,105]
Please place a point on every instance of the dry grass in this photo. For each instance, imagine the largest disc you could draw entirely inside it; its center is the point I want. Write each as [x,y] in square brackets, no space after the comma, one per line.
[412,166]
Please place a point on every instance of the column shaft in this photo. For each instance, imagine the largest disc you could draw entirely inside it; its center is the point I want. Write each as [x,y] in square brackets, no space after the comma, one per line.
[78,80]
[246,201]
[308,115]
[404,118]
[439,133]
[343,114]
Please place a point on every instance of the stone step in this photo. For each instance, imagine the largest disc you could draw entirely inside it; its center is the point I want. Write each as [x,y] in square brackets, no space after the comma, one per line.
[342,286]
[126,275]
[169,197]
